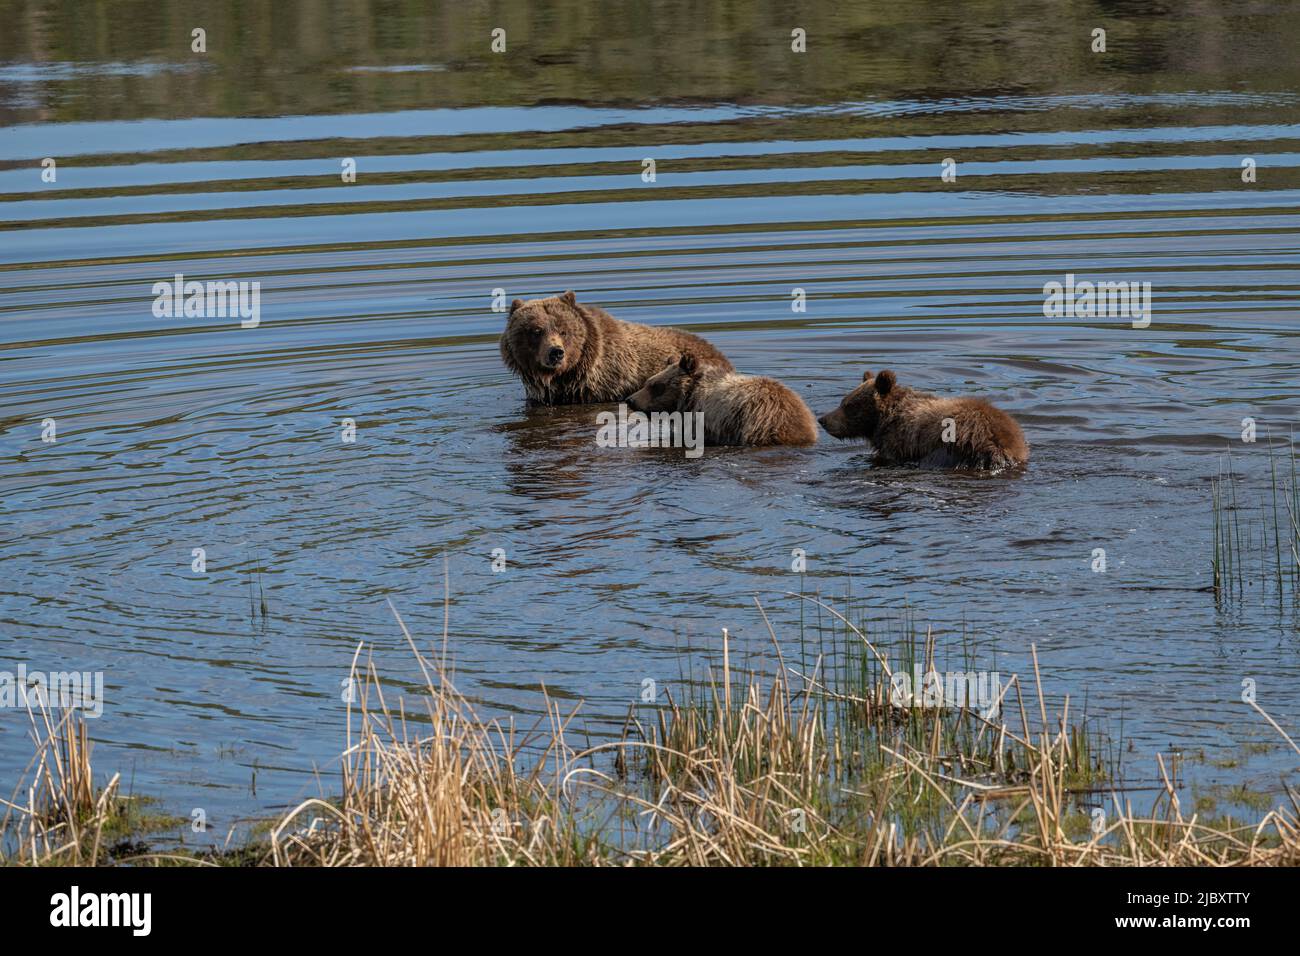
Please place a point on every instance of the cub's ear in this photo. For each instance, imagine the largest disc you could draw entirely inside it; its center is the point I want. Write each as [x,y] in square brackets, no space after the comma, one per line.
[517,304]
[866,375]
[570,297]
[885,382]
[688,363]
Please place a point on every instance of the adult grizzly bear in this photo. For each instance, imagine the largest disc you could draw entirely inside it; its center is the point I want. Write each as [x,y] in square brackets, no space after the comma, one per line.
[738,409]
[571,354]
[908,427]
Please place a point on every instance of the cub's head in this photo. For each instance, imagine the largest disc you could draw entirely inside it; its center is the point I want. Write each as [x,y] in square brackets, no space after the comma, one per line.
[544,337]
[669,390]
[860,411]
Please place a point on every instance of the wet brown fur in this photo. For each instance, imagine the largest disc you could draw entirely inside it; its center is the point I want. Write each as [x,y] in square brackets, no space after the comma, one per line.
[604,359]
[738,409]
[906,427]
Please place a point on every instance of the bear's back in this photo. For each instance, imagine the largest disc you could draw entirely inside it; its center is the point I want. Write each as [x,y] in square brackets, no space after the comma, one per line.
[755,410]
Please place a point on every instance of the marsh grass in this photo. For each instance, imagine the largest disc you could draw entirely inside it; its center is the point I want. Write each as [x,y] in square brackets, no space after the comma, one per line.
[753,762]
[1258,547]
[58,815]
[753,767]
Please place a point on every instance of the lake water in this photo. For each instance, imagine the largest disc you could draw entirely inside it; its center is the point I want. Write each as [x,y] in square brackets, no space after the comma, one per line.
[522,171]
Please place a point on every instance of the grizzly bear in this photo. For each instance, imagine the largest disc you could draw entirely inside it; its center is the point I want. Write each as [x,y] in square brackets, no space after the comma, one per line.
[908,427]
[571,354]
[738,409]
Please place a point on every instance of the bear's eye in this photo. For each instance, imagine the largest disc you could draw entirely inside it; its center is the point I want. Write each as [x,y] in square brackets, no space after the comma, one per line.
[534,333]
[657,389]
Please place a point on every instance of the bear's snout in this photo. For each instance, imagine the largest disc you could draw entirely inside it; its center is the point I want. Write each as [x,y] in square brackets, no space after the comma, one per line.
[555,356]
[836,424]
[833,422]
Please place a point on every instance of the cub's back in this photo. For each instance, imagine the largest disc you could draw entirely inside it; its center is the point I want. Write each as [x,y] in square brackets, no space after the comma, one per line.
[755,410]
[987,436]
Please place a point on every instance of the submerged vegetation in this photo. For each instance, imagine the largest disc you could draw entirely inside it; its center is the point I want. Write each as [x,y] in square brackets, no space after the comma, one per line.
[1257,544]
[831,762]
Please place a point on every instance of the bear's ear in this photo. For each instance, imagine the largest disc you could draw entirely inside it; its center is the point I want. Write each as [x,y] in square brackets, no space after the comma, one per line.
[570,297]
[517,304]
[884,382]
[688,362]
[866,376]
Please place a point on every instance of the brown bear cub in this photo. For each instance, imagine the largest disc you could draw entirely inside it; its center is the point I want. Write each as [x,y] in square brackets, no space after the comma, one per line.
[738,409]
[571,354]
[908,427]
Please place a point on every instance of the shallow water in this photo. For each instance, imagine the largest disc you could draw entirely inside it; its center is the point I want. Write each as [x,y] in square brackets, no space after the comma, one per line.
[478,172]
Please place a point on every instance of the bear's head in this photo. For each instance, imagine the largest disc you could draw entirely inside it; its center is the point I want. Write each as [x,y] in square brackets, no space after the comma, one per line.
[861,410]
[669,390]
[544,337]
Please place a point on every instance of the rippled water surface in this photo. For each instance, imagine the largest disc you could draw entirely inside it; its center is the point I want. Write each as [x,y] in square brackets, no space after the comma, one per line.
[523,172]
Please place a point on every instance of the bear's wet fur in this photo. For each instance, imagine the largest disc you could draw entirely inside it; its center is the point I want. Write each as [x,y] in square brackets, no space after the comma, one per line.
[738,409]
[907,427]
[572,354]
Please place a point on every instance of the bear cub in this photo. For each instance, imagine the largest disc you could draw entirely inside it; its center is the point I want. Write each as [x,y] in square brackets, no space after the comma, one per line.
[909,427]
[571,354]
[738,409]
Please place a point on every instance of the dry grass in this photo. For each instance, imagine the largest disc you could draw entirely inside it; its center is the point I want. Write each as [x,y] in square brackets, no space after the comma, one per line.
[58,816]
[752,771]
[750,767]
[453,797]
